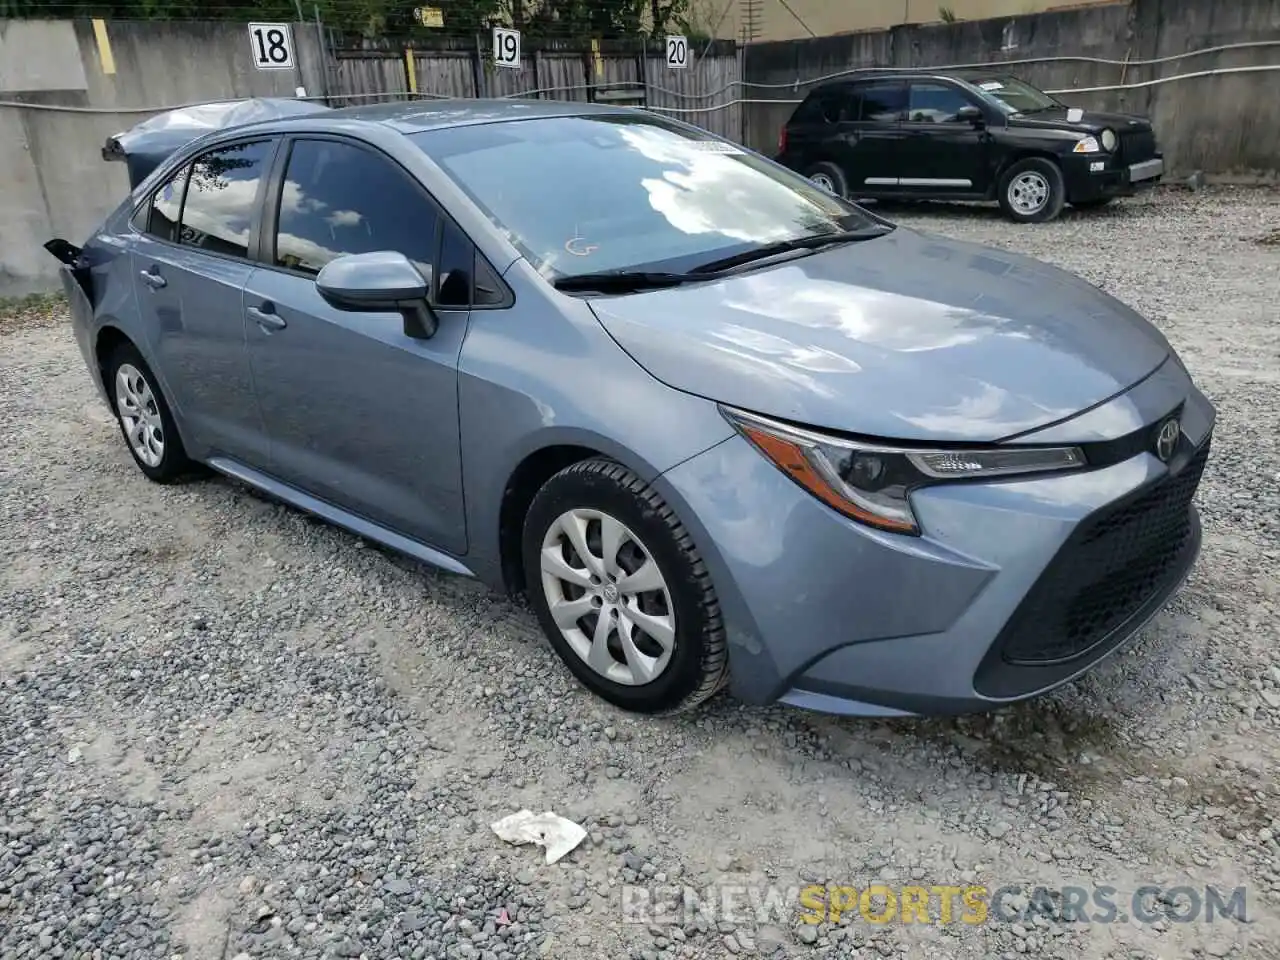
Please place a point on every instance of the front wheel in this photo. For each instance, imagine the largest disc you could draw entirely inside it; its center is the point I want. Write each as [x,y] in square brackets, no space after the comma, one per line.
[621,592]
[1032,191]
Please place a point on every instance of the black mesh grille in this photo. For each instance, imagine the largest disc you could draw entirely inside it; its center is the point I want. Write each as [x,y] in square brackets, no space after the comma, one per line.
[1104,574]
[1137,145]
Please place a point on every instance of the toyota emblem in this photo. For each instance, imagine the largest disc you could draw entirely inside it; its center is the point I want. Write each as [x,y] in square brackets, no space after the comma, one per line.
[1167,439]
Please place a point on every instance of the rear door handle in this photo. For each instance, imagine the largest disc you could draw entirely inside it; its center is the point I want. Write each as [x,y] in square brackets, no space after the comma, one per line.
[154,280]
[266,317]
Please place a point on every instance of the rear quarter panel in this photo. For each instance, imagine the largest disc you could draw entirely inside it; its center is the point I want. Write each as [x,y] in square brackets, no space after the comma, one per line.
[107,297]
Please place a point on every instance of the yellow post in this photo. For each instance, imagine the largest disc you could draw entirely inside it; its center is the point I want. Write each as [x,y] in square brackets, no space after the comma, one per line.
[410,70]
[595,55]
[104,47]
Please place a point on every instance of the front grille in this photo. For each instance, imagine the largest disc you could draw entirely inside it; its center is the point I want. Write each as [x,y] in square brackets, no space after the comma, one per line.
[1137,145]
[1109,568]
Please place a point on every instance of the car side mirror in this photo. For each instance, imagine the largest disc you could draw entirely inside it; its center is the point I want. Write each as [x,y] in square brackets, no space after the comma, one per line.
[971,114]
[380,282]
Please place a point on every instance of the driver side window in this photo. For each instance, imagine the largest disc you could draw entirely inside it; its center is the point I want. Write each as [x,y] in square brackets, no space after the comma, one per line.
[339,199]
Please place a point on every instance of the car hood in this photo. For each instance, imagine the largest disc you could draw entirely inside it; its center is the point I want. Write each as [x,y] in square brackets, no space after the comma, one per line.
[907,336]
[1090,121]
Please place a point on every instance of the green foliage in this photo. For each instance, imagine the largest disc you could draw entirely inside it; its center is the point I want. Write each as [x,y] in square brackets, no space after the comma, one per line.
[541,19]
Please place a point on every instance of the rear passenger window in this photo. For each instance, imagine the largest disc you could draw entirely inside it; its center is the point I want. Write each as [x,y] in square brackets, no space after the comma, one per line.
[339,199]
[160,217]
[222,196]
[883,102]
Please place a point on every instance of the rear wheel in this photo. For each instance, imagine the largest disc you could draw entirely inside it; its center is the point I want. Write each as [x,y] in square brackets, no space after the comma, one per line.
[144,417]
[620,590]
[830,178]
[1032,191]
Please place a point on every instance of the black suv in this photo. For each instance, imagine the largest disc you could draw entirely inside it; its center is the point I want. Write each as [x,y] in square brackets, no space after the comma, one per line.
[951,136]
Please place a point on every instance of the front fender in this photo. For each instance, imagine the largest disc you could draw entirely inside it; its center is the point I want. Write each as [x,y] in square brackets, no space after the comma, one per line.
[526,386]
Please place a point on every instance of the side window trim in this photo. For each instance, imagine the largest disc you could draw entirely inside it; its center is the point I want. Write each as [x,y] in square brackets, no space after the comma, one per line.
[255,225]
[269,220]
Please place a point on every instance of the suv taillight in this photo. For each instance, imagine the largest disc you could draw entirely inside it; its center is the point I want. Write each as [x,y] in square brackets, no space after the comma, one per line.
[782,140]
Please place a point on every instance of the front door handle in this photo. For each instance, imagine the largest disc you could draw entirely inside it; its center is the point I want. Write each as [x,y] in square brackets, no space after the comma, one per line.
[154,280]
[266,317]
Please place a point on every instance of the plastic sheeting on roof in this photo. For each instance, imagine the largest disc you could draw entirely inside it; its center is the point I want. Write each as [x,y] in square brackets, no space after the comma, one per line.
[146,145]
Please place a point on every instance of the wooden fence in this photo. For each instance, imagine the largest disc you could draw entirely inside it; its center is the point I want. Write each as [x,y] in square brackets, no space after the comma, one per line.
[699,93]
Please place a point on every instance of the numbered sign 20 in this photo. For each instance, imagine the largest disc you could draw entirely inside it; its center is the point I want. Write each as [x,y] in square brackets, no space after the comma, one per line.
[677,53]
[272,46]
[506,47]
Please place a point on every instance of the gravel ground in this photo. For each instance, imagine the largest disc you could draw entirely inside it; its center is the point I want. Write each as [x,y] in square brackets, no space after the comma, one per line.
[229,731]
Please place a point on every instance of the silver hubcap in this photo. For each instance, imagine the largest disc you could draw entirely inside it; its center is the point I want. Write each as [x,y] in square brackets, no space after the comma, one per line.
[141,417]
[608,597]
[1029,192]
[823,181]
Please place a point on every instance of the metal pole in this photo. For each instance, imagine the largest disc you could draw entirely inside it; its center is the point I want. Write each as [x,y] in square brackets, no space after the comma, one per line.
[324,55]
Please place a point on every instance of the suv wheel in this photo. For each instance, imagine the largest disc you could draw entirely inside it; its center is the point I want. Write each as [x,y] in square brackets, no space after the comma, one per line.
[829,177]
[1032,191]
[620,590]
[144,417]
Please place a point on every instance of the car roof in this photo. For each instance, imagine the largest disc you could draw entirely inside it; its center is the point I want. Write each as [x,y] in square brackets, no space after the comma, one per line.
[418,115]
[904,73]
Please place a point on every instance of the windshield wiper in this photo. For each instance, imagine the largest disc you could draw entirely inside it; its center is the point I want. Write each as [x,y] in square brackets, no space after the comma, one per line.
[787,246]
[610,280]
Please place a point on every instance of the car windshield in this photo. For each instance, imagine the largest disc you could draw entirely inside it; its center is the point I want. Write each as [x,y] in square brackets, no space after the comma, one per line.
[1014,96]
[584,194]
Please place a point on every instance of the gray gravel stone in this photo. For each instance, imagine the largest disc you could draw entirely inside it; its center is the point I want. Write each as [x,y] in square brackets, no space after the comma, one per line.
[229,730]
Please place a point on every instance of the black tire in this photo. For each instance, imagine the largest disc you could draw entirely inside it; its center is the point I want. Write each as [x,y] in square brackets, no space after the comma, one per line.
[1093,204]
[173,464]
[1047,173]
[833,174]
[698,663]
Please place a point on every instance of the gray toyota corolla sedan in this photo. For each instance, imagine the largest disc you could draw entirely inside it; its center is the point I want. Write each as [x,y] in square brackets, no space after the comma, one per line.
[720,426]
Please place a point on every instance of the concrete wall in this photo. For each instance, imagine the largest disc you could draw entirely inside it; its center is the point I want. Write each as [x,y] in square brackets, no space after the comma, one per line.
[1226,124]
[54,182]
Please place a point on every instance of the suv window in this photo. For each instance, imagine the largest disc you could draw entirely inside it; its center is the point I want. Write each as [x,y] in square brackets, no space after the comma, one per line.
[882,102]
[159,217]
[825,106]
[935,103]
[221,202]
[338,199]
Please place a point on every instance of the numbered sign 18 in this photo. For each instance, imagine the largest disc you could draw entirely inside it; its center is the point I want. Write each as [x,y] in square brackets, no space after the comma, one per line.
[272,46]
[677,53]
[506,47]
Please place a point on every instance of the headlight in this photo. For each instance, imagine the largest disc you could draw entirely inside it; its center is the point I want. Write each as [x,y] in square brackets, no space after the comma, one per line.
[872,483]
[1108,140]
[1087,145]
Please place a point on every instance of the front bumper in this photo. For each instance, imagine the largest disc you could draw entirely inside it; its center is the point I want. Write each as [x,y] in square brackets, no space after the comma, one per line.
[992,605]
[1096,176]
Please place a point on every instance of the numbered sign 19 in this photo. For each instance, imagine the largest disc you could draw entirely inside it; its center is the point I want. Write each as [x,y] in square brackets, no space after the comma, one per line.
[506,47]
[677,53]
[272,46]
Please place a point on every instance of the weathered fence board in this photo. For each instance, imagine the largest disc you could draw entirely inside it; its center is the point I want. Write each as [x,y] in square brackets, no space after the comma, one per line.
[694,94]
